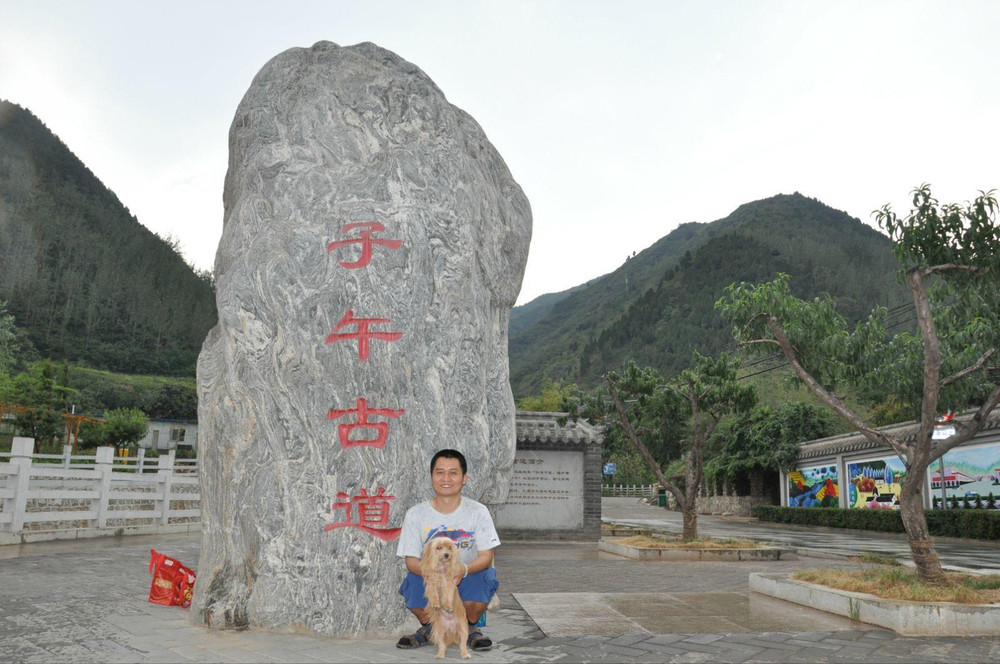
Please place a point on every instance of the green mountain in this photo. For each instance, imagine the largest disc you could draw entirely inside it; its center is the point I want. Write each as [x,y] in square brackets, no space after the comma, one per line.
[83,278]
[659,306]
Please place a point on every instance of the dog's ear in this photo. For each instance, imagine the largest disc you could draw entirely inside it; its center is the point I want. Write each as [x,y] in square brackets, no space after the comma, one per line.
[426,564]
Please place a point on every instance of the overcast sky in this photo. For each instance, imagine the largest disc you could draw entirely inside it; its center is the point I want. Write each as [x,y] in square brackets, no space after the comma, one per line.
[620,120]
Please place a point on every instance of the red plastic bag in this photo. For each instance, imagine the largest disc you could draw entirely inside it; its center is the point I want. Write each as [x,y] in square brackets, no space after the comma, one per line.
[173,583]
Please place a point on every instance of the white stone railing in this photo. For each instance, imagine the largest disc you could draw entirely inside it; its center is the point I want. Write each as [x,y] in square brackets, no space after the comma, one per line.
[52,496]
[629,490]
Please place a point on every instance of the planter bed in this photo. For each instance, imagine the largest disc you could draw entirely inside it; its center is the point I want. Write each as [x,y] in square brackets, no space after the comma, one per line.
[908,618]
[696,555]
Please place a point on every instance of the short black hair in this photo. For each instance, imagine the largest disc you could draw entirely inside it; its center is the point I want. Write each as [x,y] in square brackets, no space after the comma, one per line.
[450,454]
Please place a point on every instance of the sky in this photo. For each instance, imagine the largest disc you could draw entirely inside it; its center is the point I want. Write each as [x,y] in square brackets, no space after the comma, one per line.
[620,120]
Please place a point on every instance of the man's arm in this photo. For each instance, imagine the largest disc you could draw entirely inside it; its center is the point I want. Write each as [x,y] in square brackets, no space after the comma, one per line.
[481,562]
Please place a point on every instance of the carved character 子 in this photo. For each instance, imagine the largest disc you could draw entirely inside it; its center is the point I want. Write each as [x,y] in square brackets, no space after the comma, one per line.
[366,241]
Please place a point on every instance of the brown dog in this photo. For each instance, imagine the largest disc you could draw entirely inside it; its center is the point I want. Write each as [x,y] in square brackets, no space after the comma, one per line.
[441,565]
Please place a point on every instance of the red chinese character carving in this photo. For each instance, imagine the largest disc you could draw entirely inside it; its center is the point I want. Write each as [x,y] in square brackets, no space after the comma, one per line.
[363,411]
[371,512]
[366,241]
[363,335]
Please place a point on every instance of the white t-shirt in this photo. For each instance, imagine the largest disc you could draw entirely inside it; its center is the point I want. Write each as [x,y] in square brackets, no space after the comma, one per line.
[470,527]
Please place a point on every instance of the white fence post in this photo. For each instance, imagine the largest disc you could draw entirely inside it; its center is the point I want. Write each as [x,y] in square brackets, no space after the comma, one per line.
[67,453]
[142,458]
[166,473]
[20,457]
[105,460]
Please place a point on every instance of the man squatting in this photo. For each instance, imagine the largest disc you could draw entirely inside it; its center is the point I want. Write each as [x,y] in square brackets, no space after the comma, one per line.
[467,523]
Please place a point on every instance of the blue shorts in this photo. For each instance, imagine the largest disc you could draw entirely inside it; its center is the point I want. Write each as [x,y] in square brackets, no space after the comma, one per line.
[477,587]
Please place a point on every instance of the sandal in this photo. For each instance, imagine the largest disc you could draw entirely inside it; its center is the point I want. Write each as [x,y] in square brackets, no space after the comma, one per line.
[415,640]
[477,641]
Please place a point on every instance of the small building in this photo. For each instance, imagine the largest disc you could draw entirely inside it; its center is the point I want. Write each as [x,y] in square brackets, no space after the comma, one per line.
[170,434]
[555,489]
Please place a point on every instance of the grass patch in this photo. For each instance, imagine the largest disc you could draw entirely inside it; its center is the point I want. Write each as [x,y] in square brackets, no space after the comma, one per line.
[646,542]
[872,558]
[623,531]
[901,583]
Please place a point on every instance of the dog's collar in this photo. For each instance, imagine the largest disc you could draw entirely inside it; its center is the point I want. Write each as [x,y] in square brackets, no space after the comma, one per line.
[441,608]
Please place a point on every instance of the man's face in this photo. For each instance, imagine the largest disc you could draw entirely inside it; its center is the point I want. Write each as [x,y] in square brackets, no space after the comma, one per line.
[447,477]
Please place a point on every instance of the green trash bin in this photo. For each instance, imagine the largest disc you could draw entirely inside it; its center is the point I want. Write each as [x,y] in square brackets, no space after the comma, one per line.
[661,497]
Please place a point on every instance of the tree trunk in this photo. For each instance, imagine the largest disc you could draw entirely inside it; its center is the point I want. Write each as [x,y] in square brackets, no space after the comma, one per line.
[693,487]
[911,509]
[690,516]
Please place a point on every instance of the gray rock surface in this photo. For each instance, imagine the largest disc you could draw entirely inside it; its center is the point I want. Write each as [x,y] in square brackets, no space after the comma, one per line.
[327,137]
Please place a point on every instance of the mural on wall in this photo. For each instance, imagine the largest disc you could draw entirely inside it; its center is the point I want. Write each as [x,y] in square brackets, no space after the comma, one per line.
[971,478]
[876,483]
[815,486]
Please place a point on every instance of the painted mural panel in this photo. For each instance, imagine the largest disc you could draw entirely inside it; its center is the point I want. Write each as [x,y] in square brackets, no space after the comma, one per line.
[971,478]
[876,483]
[814,486]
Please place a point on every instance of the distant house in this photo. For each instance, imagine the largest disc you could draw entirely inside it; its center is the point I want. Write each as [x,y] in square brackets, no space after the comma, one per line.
[169,434]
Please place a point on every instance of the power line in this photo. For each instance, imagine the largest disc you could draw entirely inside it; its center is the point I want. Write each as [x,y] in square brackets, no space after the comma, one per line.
[763,371]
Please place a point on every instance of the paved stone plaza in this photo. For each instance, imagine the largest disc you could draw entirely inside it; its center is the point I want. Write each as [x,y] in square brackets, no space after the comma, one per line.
[85,601]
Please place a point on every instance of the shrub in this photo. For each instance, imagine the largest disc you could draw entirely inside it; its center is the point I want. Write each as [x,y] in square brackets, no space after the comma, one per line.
[974,524]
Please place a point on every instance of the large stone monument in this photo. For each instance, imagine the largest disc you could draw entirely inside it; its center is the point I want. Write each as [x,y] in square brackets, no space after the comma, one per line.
[374,243]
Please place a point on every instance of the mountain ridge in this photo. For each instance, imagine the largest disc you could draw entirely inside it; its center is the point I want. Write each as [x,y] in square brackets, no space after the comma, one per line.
[659,306]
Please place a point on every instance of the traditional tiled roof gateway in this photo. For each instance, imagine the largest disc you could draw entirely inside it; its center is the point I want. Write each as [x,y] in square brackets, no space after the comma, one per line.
[545,428]
[856,442]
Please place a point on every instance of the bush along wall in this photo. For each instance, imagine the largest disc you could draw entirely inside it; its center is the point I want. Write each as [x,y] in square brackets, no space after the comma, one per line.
[974,524]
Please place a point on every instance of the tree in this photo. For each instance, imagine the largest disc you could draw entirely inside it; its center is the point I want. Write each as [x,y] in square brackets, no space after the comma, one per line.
[42,424]
[689,407]
[125,427]
[950,257]
[92,434]
[41,396]
[173,401]
[553,397]
[766,439]
[8,340]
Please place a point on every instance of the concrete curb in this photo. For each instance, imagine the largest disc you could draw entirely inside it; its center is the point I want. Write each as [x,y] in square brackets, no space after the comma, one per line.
[908,618]
[697,555]
[29,536]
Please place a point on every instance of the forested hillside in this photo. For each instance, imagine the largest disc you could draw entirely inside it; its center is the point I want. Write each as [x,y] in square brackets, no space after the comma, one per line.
[82,277]
[659,306]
